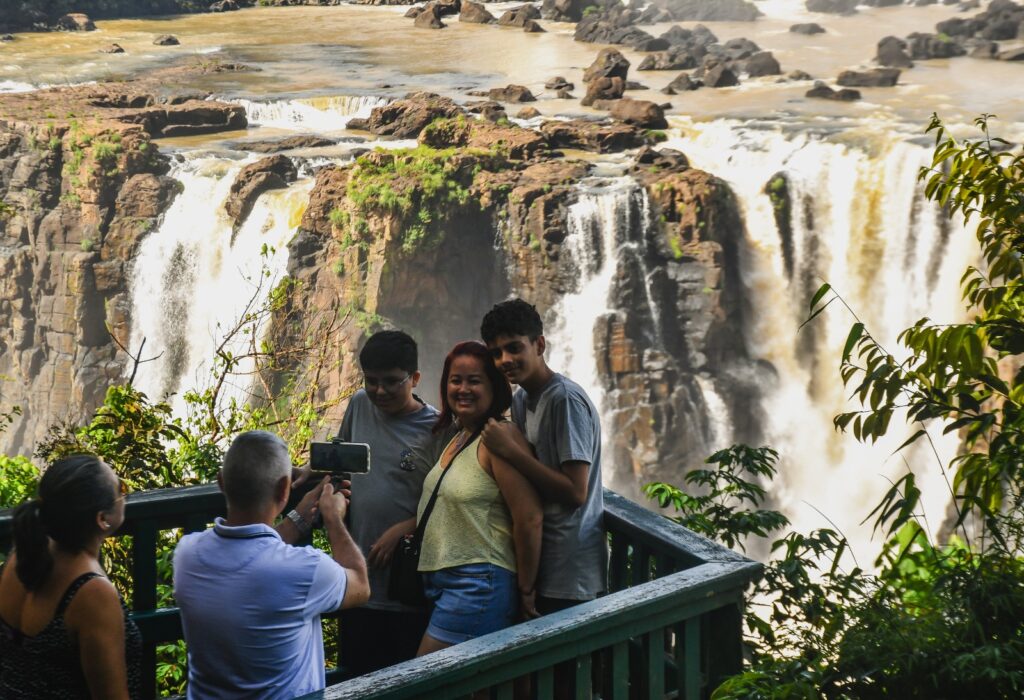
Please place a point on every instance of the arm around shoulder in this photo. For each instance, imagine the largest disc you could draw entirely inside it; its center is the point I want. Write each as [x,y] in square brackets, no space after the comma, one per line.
[95,617]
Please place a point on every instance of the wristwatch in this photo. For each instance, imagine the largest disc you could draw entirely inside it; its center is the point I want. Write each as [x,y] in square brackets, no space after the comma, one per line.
[303,525]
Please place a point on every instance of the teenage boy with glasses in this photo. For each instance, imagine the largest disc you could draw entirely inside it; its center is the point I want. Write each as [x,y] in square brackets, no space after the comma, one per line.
[396,424]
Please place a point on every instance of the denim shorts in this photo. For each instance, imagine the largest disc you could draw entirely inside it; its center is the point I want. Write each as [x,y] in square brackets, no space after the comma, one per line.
[470,601]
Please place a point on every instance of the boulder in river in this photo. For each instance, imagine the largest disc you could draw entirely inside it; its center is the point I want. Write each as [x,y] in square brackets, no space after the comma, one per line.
[641,113]
[823,91]
[710,10]
[75,22]
[761,64]
[511,93]
[877,77]
[564,10]
[924,46]
[475,13]
[892,52]
[833,7]
[684,83]
[604,89]
[807,28]
[532,26]
[528,113]
[6,37]
[1012,55]
[286,144]
[610,63]
[113,48]
[166,40]
[407,117]
[519,16]
[675,58]
[559,83]
[429,18]
[718,74]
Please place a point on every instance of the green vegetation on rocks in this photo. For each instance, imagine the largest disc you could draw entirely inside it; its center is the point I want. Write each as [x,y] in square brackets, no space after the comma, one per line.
[422,187]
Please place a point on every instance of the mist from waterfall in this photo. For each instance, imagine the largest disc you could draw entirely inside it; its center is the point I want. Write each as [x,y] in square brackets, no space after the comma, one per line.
[194,277]
[861,223]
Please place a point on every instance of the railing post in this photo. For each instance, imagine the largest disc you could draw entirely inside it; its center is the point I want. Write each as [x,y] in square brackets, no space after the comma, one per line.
[724,640]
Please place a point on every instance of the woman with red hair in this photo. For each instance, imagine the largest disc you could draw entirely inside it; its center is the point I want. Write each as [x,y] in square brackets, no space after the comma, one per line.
[481,543]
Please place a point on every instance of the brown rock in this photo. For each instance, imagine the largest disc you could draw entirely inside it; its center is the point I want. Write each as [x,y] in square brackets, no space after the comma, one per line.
[429,18]
[610,63]
[475,13]
[287,144]
[604,89]
[75,22]
[511,93]
[528,113]
[878,77]
[592,136]
[558,83]
[113,48]
[519,16]
[532,26]
[407,117]
[518,143]
[166,40]
[254,179]
[641,113]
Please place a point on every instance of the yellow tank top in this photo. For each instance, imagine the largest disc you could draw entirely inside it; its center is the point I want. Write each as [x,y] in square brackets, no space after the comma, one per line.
[470,523]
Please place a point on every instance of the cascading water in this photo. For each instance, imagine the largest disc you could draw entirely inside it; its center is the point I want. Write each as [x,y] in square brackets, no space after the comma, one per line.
[313,113]
[596,222]
[860,222]
[194,277]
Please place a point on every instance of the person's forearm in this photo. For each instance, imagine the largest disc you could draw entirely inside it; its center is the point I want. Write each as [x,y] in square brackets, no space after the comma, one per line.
[343,548]
[552,484]
[527,540]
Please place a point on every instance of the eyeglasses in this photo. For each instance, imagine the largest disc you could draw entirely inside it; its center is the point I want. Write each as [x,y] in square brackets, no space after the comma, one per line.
[389,384]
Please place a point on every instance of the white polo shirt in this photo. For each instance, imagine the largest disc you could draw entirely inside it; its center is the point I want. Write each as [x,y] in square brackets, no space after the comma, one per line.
[250,607]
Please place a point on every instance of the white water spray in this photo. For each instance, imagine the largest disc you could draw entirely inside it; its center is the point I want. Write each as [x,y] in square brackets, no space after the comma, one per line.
[311,114]
[859,222]
[194,277]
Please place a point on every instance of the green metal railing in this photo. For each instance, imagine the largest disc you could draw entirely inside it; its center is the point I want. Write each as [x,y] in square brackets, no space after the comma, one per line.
[670,626]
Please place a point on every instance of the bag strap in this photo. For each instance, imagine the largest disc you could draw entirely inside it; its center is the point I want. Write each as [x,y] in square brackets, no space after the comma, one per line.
[421,528]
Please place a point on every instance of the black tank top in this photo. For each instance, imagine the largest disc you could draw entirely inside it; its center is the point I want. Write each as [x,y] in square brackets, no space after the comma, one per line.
[47,665]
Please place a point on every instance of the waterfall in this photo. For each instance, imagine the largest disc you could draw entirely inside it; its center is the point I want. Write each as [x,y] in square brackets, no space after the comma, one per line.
[860,222]
[313,113]
[596,223]
[194,276]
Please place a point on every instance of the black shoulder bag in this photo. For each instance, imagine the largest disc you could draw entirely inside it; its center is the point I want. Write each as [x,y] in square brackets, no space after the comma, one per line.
[406,583]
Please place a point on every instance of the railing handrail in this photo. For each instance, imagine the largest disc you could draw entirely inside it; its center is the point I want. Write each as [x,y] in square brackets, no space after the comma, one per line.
[693,576]
[557,637]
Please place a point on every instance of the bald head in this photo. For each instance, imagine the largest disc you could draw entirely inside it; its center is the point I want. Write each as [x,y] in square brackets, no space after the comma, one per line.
[253,466]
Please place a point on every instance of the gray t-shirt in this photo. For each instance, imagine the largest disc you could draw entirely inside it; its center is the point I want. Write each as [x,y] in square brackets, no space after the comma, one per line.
[390,492]
[563,426]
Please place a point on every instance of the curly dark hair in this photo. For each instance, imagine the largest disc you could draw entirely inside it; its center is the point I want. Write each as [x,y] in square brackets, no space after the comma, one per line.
[512,317]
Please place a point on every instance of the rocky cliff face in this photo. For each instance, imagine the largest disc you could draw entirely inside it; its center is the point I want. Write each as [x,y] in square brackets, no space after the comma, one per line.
[78,193]
[675,329]
[426,239]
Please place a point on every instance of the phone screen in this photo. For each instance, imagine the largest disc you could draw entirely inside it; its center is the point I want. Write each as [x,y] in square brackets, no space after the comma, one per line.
[339,457]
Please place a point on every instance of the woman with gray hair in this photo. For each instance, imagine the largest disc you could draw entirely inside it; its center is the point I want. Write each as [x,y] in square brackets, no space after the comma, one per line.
[64,630]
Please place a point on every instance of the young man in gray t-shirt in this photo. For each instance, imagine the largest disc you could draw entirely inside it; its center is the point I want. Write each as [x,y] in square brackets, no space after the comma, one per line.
[397,425]
[560,455]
